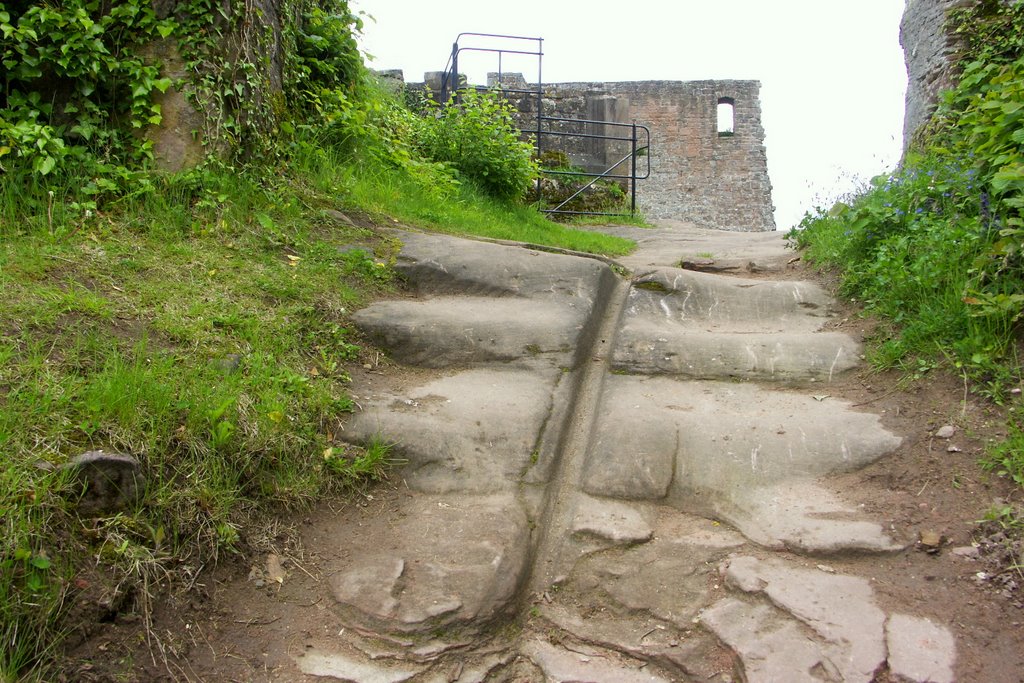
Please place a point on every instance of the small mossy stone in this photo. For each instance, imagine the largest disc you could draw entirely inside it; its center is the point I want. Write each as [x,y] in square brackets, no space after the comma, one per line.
[108,482]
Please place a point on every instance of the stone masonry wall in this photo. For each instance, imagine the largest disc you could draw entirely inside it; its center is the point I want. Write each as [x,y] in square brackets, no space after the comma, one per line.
[697,175]
[715,181]
[928,52]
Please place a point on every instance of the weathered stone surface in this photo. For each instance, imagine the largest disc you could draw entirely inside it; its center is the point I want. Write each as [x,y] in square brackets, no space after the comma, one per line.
[623,558]
[610,520]
[108,482]
[456,331]
[733,435]
[452,563]
[920,650]
[929,51]
[563,666]
[672,241]
[710,448]
[647,348]
[711,303]
[667,578]
[462,671]
[807,517]
[705,326]
[772,647]
[343,667]
[475,431]
[438,265]
[633,458]
[841,610]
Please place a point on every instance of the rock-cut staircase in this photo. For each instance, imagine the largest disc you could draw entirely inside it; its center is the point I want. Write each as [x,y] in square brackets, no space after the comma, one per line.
[611,479]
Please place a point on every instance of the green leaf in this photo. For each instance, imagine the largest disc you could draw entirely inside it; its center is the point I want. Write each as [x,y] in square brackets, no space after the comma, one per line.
[40,562]
[265,221]
[44,165]
[166,27]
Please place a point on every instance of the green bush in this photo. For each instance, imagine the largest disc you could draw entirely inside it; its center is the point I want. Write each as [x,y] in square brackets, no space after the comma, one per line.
[75,83]
[937,248]
[479,139]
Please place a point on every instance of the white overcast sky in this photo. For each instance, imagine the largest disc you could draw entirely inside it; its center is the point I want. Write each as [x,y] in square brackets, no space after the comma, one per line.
[831,71]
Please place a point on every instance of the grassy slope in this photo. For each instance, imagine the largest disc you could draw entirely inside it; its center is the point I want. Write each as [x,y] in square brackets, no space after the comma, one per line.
[122,330]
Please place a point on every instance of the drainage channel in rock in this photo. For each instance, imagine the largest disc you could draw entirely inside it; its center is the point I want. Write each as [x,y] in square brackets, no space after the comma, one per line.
[595,489]
[553,551]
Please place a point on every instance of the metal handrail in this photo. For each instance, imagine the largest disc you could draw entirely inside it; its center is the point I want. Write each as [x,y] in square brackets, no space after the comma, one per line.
[450,90]
[636,150]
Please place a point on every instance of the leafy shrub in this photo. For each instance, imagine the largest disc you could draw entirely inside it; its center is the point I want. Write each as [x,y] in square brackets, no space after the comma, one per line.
[478,138]
[938,246]
[75,82]
[572,190]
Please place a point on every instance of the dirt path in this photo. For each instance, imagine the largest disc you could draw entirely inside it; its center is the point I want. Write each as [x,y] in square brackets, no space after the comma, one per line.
[670,476]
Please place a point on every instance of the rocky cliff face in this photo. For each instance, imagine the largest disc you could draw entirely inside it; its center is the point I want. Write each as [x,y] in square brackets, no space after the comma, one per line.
[928,51]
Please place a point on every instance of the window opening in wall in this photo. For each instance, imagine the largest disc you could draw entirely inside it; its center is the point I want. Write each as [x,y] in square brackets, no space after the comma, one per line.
[726,112]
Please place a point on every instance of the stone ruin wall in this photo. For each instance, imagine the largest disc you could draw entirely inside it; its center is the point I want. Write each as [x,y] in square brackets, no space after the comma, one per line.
[697,175]
[929,52]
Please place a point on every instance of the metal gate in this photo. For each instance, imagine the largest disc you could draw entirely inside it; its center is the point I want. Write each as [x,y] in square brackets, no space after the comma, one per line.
[546,131]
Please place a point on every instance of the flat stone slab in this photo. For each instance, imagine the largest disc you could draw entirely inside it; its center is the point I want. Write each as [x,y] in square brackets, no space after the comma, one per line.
[456,331]
[840,610]
[672,241]
[723,437]
[563,666]
[920,650]
[771,647]
[610,520]
[804,516]
[648,348]
[476,431]
[452,562]
[349,669]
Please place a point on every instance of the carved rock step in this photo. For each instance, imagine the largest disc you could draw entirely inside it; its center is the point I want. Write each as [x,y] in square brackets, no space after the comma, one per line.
[453,563]
[731,450]
[649,348]
[719,304]
[476,431]
[437,264]
[456,331]
[673,241]
[707,327]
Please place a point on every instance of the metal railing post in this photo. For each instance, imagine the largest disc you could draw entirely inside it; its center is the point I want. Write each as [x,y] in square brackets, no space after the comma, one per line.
[455,71]
[632,173]
[540,109]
